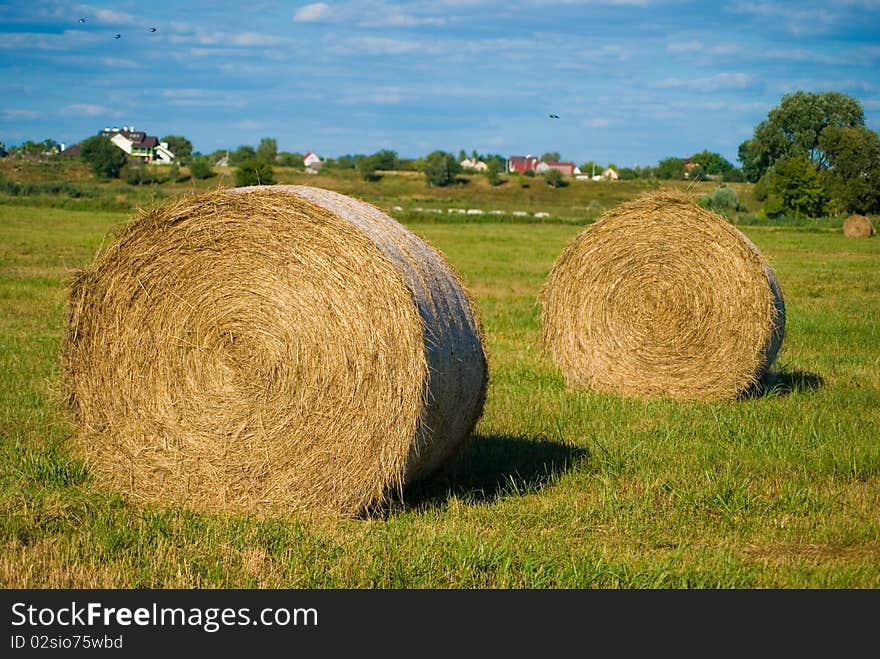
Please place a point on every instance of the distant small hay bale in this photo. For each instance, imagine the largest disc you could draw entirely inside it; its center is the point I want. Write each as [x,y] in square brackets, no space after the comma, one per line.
[662,298]
[858,226]
[270,347]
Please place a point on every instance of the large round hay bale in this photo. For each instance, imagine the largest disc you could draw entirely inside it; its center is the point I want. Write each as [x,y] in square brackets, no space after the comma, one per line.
[270,347]
[662,298]
[858,226]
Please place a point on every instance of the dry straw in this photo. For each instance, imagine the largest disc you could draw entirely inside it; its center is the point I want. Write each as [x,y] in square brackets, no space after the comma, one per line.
[662,298]
[270,347]
[858,226]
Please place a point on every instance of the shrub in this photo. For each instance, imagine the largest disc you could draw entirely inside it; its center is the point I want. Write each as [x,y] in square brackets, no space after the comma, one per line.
[201,169]
[254,172]
[554,178]
[723,200]
[105,158]
[440,168]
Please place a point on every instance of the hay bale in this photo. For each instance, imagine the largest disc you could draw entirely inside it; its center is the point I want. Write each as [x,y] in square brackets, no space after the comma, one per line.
[662,298]
[858,226]
[275,346]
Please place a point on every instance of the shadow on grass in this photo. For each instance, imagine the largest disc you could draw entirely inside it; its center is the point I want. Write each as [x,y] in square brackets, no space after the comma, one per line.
[496,466]
[785,382]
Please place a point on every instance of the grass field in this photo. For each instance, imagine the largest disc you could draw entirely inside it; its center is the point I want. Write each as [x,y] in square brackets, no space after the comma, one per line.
[559,489]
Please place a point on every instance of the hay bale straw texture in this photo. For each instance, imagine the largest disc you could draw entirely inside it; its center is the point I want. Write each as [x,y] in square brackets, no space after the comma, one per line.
[662,298]
[270,347]
[858,226]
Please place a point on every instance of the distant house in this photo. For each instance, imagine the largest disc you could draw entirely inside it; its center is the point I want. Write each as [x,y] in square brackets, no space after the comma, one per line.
[312,162]
[473,163]
[73,151]
[567,168]
[520,164]
[137,144]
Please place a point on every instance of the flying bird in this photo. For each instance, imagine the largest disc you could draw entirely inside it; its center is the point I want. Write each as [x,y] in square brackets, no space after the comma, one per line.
[117,36]
[554,116]
[82,20]
[152,29]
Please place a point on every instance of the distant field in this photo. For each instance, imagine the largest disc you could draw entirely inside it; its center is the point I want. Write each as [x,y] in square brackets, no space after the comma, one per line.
[578,202]
[560,489]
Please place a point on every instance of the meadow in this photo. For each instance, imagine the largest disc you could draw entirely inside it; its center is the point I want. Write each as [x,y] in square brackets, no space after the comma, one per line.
[558,489]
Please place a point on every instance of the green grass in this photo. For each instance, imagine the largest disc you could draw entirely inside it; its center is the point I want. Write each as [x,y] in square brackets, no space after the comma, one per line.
[559,489]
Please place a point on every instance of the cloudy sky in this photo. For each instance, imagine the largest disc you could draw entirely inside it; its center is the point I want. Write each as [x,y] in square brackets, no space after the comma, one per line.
[632,81]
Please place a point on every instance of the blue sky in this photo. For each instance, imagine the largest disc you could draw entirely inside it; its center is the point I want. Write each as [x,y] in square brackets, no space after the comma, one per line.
[632,81]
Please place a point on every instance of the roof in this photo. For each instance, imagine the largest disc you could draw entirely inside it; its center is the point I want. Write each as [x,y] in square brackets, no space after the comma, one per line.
[147,142]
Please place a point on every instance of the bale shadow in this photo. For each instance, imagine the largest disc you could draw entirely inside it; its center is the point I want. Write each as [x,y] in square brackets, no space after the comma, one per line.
[784,382]
[493,467]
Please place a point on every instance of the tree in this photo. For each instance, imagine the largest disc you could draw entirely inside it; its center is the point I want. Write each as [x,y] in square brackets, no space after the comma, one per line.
[496,160]
[671,168]
[711,164]
[254,172]
[551,156]
[385,160]
[242,154]
[200,168]
[105,158]
[554,178]
[181,147]
[367,167]
[794,188]
[440,168]
[493,171]
[792,129]
[591,167]
[288,159]
[268,149]
[852,179]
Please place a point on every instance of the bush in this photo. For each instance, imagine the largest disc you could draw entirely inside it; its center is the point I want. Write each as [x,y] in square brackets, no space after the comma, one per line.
[367,167]
[530,173]
[141,174]
[105,158]
[722,200]
[254,172]
[201,169]
[794,188]
[440,168]
[554,178]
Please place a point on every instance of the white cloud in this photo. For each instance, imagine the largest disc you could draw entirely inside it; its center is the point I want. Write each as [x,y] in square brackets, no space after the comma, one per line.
[395,18]
[227,39]
[250,124]
[20,114]
[798,21]
[710,84]
[597,122]
[195,97]
[86,109]
[113,17]
[379,96]
[381,46]
[67,40]
[684,47]
[120,63]
[313,13]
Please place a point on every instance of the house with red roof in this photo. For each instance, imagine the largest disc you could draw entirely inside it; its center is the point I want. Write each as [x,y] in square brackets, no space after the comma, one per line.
[520,164]
[567,168]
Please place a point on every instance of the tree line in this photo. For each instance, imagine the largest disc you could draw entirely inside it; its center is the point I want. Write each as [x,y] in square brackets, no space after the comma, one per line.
[811,156]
